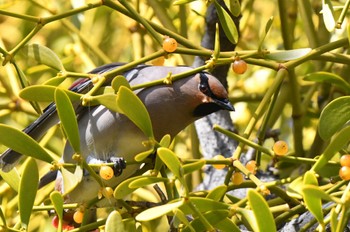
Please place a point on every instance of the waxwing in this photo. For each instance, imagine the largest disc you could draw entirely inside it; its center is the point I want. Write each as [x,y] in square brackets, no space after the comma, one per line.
[106,135]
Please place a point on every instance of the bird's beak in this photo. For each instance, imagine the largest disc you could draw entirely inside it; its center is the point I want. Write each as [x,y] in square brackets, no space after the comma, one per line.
[225,104]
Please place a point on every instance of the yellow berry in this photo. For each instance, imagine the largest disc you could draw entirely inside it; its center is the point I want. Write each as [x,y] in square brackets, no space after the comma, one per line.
[280,148]
[345,160]
[251,166]
[344,173]
[107,192]
[219,166]
[237,178]
[78,216]
[169,44]
[106,172]
[239,66]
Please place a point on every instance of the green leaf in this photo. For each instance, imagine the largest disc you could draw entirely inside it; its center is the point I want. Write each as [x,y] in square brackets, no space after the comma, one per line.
[57,201]
[123,189]
[23,143]
[114,222]
[227,225]
[339,140]
[235,7]
[314,204]
[327,12]
[262,213]
[204,205]
[165,141]
[108,100]
[130,224]
[143,155]
[146,180]
[182,217]
[191,167]
[213,217]
[316,192]
[55,81]
[130,105]
[329,78]
[250,219]
[119,81]
[267,29]
[294,189]
[68,119]
[170,159]
[227,23]
[334,116]
[28,187]
[217,193]
[334,219]
[158,211]
[71,180]
[45,93]
[11,178]
[24,84]
[43,55]
[180,2]
[288,54]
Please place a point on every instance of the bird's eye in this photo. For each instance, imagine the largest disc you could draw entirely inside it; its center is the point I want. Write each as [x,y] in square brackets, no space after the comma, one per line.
[203,88]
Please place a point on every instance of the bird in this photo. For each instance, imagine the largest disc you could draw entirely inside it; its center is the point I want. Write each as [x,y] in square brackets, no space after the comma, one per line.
[106,135]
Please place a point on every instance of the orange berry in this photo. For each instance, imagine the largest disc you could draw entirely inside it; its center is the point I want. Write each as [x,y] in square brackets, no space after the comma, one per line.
[78,216]
[345,160]
[219,166]
[169,44]
[251,166]
[106,172]
[239,66]
[237,178]
[280,148]
[344,173]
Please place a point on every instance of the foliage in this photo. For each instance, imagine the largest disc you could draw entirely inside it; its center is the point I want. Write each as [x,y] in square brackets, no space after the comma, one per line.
[297,84]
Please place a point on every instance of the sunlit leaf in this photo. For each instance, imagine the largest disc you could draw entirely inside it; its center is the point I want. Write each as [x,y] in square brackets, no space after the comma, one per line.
[217,193]
[213,217]
[180,2]
[57,201]
[262,213]
[227,225]
[55,81]
[143,155]
[27,191]
[12,178]
[288,54]
[204,205]
[314,204]
[330,78]
[227,23]
[158,211]
[165,141]
[333,117]
[24,83]
[339,140]
[170,159]
[45,93]
[191,167]
[23,143]
[235,7]
[334,219]
[327,12]
[146,180]
[182,217]
[249,217]
[130,105]
[316,192]
[119,81]
[43,55]
[267,29]
[71,180]
[114,222]
[107,100]
[68,119]
[123,189]
[294,188]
